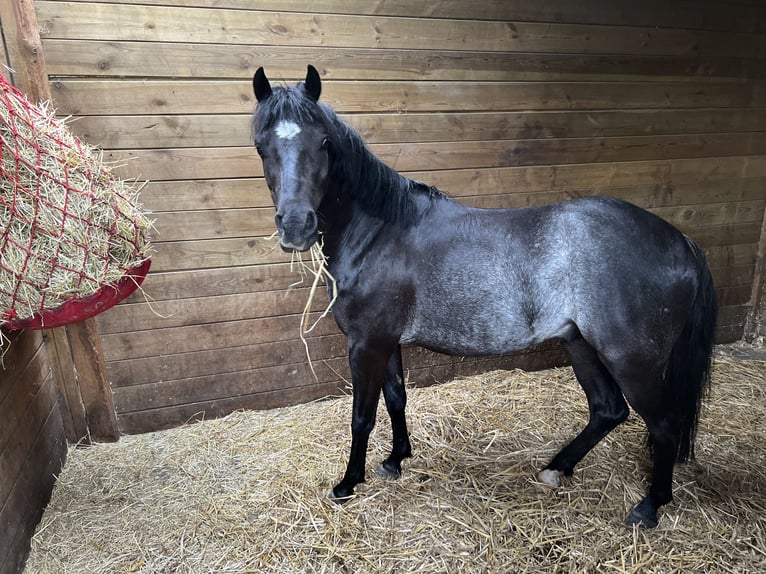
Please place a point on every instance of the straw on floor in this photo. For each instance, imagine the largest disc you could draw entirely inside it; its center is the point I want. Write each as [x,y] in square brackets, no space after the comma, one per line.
[246,493]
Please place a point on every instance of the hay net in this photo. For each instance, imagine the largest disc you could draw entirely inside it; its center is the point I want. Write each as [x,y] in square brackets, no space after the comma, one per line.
[71,229]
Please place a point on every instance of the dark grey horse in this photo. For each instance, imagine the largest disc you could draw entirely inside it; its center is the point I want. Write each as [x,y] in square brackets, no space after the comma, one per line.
[630,297]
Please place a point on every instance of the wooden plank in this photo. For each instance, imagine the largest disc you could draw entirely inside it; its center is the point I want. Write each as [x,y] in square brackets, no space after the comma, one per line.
[95,392]
[645,183]
[264,379]
[21,40]
[20,395]
[125,22]
[229,130]
[147,370]
[22,347]
[80,97]
[652,13]
[205,194]
[591,178]
[647,196]
[755,323]
[225,223]
[726,234]
[192,311]
[210,223]
[72,411]
[206,254]
[709,215]
[146,60]
[25,425]
[215,163]
[200,337]
[30,494]
[152,419]
[736,295]
[731,322]
[210,282]
[235,384]
[162,418]
[733,277]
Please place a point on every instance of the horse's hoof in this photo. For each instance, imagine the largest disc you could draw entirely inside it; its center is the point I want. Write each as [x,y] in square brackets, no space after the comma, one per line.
[340,495]
[642,517]
[550,477]
[387,473]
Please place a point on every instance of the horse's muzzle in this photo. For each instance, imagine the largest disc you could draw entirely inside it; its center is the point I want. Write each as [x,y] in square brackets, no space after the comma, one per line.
[297,231]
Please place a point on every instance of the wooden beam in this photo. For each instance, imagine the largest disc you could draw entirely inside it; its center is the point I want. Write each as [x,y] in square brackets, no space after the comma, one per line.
[755,325]
[95,392]
[25,48]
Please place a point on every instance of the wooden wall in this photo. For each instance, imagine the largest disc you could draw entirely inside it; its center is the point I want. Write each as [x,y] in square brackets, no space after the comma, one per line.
[32,444]
[497,102]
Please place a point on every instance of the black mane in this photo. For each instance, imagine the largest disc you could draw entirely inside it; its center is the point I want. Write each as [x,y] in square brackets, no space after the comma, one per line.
[356,172]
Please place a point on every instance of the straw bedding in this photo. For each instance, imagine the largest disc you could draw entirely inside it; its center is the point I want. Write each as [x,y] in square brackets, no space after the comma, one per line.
[246,493]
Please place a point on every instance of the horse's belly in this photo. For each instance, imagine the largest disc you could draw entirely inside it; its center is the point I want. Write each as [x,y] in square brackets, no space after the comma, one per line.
[482,335]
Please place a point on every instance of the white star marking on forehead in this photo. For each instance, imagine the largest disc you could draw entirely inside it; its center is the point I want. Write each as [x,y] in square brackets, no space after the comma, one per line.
[287,130]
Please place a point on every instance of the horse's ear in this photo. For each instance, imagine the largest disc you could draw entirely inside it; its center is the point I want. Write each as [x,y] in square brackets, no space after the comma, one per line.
[313,83]
[261,85]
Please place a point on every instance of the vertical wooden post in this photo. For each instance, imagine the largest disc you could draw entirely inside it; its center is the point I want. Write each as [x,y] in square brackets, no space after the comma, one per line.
[76,349]
[755,323]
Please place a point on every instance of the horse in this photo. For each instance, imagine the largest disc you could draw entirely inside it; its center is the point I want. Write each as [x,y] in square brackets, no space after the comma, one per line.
[629,296]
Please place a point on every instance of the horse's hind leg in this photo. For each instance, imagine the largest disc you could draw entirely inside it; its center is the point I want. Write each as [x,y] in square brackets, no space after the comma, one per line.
[606,405]
[395,395]
[664,436]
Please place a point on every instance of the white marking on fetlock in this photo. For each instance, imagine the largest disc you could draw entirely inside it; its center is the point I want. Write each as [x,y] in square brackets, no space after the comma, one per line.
[287,130]
[550,477]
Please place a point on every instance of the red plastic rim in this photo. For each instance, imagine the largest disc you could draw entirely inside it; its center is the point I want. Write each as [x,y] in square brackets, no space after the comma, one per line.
[76,310]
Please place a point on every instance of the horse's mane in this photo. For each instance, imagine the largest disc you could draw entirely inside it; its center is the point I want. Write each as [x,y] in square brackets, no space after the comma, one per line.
[356,172]
[380,189]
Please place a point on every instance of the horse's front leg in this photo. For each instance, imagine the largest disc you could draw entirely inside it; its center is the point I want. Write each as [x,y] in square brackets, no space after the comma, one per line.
[368,366]
[396,400]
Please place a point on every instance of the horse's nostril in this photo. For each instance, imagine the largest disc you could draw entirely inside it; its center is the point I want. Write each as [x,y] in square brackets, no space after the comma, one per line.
[278,219]
[311,221]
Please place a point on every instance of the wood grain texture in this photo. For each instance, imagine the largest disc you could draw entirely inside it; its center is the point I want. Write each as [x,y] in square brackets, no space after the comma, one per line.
[32,443]
[97,58]
[685,14]
[82,97]
[238,162]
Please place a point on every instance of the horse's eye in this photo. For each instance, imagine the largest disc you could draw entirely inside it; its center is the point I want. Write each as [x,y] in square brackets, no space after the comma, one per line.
[325,143]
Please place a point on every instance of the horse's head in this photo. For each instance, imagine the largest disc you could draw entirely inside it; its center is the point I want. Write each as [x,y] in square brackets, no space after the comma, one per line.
[291,133]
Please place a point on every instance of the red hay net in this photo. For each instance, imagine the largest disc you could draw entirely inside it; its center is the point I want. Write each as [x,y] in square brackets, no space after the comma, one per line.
[74,242]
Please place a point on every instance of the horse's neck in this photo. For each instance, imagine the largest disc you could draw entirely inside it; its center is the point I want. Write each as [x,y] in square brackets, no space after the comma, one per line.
[347,229]
[365,196]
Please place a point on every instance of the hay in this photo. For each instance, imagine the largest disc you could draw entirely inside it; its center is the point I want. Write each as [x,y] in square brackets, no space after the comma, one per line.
[246,493]
[69,225]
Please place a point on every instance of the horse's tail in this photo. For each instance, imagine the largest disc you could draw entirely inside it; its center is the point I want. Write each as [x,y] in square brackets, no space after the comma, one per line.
[687,376]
